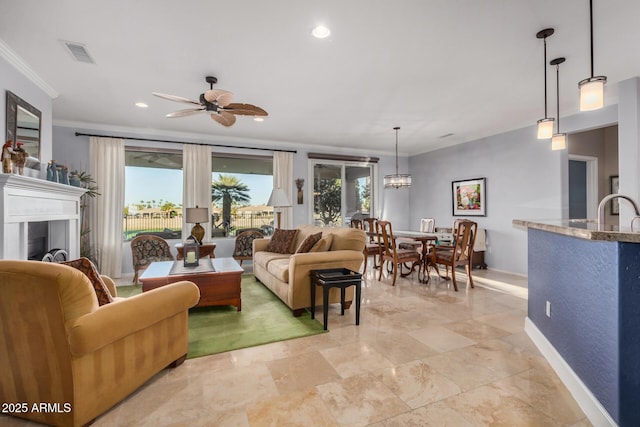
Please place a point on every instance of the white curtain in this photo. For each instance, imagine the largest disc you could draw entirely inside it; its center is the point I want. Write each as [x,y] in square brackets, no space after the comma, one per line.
[106,166]
[283,178]
[196,179]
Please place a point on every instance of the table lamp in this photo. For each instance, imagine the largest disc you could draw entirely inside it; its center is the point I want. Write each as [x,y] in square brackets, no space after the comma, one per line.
[279,199]
[197,215]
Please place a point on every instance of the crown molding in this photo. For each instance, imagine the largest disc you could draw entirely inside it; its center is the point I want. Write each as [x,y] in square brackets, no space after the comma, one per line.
[21,65]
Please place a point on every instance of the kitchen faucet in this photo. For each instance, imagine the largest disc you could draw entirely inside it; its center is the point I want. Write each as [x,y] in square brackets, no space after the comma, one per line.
[604,201]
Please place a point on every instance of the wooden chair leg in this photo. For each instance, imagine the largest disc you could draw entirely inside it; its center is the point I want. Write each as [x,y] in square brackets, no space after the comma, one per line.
[380,273]
[395,273]
[453,278]
[469,268]
[135,277]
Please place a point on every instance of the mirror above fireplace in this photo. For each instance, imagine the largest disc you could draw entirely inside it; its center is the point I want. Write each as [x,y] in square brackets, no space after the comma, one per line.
[24,123]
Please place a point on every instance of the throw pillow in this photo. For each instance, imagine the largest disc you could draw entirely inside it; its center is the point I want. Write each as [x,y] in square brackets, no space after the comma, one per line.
[86,266]
[323,244]
[308,243]
[281,240]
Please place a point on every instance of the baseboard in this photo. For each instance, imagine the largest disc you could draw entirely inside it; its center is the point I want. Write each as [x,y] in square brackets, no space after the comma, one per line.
[593,409]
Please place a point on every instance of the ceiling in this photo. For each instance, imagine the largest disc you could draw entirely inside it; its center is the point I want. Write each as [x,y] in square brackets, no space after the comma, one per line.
[433,67]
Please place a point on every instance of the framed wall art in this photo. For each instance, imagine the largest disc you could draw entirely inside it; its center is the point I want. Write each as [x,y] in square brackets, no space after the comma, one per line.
[469,197]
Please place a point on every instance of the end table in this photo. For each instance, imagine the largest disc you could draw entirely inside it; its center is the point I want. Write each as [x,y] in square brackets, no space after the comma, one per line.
[334,278]
[206,249]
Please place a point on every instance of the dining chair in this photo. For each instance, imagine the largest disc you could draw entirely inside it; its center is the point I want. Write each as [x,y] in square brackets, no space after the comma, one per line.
[356,223]
[393,255]
[427,225]
[460,253]
[373,247]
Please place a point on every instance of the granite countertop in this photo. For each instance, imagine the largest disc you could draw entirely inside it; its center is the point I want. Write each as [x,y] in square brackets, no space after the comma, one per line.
[582,228]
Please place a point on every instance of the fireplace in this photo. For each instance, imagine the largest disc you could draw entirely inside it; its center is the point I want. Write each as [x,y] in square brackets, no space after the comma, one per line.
[38,215]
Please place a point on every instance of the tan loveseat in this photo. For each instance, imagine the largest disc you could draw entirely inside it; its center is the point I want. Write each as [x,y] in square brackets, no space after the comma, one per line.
[59,347]
[287,275]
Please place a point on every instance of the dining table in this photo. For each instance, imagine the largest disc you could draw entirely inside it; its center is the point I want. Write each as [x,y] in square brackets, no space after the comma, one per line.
[425,238]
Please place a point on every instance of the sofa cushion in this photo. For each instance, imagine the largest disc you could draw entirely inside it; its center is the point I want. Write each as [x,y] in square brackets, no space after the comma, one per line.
[279,268]
[281,241]
[86,266]
[263,258]
[308,243]
[323,244]
[350,239]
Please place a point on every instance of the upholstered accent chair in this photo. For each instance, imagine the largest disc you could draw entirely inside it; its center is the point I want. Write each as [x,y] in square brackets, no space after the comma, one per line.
[59,346]
[146,249]
[243,248]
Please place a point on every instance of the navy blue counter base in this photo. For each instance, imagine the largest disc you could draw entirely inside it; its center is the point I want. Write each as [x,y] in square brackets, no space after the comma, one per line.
[594,291]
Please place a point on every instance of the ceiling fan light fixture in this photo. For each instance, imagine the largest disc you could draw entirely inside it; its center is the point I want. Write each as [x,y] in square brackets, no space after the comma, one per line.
[321,32]
[142,105]
[397,180]
[258,119]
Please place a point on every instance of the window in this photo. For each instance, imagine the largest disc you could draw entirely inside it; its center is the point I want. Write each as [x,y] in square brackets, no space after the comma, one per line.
[341,190]
[153,193]
[240,191]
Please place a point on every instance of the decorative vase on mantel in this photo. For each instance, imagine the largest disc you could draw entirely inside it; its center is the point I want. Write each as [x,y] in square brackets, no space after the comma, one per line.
[74,179]
[52,171]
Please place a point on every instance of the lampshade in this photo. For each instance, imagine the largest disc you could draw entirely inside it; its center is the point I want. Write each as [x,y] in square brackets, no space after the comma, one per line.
[592,88]
[397,180]
[545,128]
[197,215]
[592,93]
[559,141]
[279,199]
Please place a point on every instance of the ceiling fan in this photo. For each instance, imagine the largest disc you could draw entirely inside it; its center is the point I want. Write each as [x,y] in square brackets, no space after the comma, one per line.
[214,101]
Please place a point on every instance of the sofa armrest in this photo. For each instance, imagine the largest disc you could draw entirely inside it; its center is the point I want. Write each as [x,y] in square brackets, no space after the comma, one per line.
[114,321]
[111,285]
[260,244]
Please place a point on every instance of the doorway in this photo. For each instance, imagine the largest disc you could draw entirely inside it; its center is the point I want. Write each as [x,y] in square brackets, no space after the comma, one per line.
[583,187]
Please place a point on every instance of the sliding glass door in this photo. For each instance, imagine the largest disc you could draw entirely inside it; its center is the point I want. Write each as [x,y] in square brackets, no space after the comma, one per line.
[341,190]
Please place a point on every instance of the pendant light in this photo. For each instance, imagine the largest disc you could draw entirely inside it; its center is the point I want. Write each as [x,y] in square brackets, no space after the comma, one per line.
[559,140]
[592,88]
[397,180]
[545,126]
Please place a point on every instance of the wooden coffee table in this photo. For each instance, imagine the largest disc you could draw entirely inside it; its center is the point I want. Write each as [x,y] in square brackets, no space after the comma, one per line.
[218,287]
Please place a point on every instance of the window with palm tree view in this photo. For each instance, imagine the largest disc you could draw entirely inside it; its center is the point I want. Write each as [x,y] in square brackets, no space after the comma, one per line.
[153,193]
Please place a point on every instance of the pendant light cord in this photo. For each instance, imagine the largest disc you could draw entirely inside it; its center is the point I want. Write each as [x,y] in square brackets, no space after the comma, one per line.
[396,129]
[545,78]
[558,95]
[591,32]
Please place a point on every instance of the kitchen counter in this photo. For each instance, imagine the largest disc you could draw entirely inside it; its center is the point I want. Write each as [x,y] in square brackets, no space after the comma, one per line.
[583,228]
[583,312]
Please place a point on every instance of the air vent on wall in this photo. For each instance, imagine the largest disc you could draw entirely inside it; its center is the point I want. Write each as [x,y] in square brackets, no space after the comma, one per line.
[79,52]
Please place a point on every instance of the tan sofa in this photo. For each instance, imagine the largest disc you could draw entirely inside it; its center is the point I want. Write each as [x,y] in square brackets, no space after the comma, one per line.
[287,275]
[60,348]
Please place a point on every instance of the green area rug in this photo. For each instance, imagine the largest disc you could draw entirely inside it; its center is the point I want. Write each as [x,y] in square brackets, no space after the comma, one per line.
[263,319]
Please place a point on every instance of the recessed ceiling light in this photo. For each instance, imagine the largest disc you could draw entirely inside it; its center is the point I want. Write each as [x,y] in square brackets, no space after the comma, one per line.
[321,32]
[142,105]
[258,119]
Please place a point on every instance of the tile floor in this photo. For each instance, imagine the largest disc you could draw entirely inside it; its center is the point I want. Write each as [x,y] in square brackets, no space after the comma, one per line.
[423,355]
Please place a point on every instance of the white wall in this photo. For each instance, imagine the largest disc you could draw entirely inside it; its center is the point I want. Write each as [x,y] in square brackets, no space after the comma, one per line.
[525,180]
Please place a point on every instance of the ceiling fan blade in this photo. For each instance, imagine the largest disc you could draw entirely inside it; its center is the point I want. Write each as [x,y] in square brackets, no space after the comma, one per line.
[245,110]
[225,120]
[176,98]
[219,96]
[187,112]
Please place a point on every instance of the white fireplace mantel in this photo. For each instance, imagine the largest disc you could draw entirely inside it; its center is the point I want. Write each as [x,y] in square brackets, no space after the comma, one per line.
[26,199]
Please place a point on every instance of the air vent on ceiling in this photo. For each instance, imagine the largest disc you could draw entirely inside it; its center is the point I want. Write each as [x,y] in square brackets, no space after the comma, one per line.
[79,52]
[446,135]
